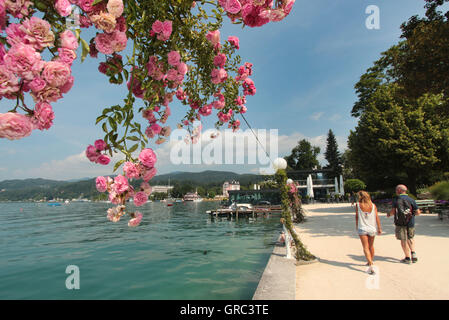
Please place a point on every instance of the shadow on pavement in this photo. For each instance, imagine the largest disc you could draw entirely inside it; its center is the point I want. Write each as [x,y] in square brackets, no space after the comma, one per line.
[351,266]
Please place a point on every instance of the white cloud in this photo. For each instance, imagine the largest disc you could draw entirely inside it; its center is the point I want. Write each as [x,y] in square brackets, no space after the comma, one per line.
[72,167]
[335,117]
[78,166]
[316,116]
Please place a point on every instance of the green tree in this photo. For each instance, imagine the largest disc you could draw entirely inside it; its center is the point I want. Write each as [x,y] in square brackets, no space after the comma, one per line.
[403,110]
[211,194]
[347,170]
[332,155]
[398,139]
[354,185]
[303,156]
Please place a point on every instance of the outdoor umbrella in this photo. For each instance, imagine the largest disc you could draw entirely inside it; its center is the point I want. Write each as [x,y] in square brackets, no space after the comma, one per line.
[310,187]
[342,189]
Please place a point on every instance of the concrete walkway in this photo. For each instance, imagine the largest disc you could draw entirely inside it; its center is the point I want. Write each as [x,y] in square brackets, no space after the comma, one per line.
[330,234]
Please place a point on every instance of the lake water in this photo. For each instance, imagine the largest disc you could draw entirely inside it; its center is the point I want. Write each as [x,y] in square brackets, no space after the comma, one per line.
[176,253]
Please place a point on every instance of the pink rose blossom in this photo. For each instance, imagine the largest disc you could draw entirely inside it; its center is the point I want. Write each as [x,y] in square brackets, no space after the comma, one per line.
[37,33]
[120,184]
[14,126]
[167,28]
[24,61]
[115,7]
[104,21]
[68,85]
[9,83]
[121,24]
[182,68]
[68,40]
[147,157]
[157,26]
[101,184]
[174,58]
[63,7]
[145,187]
[86,5]
[234,41]
[2,53]
[66,56]
[85,22]
[2,15]
[251,15]
[15,34]
[248,87]
[134,222]
[100,145]
[218,75]
[214,37]
[206,110]
[233,6]
[43,114]
[48,94]
[220,60]
[18,8]
[103,159]
[180,94]
[92,153]
[56,73]
[114,214]
[140,198]
[156,128]
[148,174]
[131,170]
[108,43]
[172,75]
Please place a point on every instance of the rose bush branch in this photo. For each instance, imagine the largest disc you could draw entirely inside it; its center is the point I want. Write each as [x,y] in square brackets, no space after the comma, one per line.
[177,52]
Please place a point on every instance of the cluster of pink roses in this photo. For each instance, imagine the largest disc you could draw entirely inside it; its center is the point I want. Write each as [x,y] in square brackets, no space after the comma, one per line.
[22,69]
[256,13]
[162,30]
[120,190]
[93,152]
[105,16]
[165,75]
[114,215]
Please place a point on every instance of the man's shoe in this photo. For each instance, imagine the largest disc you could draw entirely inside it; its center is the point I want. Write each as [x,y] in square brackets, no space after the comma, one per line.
[406,260]
[414,257]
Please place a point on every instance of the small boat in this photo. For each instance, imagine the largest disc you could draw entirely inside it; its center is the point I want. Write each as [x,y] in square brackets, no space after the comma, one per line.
[169,204]
[54,204]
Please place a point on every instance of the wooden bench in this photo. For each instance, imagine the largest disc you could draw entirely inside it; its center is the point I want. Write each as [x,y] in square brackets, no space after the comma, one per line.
[432,206]
[426,205]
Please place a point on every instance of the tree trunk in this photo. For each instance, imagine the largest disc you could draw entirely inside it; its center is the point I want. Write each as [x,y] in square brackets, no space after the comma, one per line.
[411,175]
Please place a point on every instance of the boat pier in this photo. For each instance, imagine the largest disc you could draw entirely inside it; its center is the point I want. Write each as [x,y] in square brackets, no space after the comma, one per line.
[244,212]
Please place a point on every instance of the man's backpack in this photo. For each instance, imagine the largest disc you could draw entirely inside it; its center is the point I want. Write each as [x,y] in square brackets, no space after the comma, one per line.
[404,212]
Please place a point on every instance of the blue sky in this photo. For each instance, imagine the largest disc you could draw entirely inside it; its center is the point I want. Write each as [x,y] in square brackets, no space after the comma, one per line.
[305,68]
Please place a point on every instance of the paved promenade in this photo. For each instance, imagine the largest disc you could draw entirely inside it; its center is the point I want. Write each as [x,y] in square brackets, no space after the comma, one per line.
[330,234]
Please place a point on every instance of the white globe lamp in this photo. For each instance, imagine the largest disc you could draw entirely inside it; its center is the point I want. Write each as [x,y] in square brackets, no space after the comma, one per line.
[279,164]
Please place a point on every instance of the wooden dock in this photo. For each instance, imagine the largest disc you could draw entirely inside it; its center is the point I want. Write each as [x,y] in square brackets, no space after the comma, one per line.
[246,213]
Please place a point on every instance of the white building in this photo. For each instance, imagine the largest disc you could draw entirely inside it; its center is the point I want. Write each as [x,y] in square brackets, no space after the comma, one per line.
[161,189]
[227,186]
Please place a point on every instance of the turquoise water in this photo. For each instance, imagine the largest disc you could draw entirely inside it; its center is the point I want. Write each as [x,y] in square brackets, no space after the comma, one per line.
[176,253]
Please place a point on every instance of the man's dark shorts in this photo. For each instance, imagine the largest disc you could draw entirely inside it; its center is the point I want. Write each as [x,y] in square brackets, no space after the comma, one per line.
[404,233]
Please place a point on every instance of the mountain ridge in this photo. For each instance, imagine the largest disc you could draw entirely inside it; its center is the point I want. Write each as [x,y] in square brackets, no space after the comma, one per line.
[39,188]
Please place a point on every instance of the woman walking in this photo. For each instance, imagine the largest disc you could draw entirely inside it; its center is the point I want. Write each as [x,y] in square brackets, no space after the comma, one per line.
[367,223]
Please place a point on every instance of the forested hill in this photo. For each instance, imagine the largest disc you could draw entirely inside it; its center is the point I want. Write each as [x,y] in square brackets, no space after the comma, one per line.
[36,189]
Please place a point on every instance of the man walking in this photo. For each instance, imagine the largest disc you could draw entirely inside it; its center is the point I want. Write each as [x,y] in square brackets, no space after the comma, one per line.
[404,211]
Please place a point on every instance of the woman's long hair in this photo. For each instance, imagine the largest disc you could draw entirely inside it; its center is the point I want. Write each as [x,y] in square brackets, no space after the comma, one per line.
[364,197]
